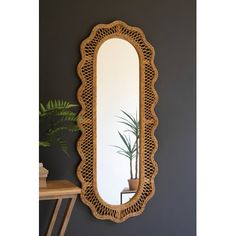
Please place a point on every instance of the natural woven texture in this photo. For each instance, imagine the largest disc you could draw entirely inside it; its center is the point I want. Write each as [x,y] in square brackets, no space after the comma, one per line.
[86,145]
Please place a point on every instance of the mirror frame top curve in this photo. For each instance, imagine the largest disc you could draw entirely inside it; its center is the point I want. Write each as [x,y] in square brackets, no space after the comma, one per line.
[86,145]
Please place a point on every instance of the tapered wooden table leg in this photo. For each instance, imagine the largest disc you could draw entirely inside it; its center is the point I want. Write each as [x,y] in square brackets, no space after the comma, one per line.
[59,190]
[67,215]
[54,217]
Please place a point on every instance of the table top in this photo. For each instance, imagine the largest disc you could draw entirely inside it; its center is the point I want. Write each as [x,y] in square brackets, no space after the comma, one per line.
[57,188]
[127,190]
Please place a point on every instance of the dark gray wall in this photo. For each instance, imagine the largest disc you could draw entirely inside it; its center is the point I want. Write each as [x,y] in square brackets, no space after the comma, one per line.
[170,27]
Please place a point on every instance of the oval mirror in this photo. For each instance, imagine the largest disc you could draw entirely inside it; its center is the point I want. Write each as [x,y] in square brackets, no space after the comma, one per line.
[117,120]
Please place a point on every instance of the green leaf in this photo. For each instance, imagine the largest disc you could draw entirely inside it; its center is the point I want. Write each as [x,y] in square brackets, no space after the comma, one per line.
[43,109]
[63,146]
[44,143]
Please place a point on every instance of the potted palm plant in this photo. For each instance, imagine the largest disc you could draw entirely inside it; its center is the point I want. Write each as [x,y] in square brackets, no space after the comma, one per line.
[130,150]
[58,117]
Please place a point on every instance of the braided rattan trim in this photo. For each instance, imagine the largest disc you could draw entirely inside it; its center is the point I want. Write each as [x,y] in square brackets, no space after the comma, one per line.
[86,145]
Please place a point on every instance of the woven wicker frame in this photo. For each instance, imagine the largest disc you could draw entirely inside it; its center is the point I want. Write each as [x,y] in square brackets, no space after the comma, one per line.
[86,145]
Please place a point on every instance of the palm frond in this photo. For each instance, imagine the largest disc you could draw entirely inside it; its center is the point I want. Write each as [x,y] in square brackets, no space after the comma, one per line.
[44,143]
[54,106]
[130,121]
[63,146]
[71,128]
[129,149]
[61,118]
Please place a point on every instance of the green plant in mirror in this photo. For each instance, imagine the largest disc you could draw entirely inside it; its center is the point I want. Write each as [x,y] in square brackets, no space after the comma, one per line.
[59,117]
[131,150]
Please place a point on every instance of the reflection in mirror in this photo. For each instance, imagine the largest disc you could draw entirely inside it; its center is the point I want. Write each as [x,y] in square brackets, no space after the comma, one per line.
[117,121]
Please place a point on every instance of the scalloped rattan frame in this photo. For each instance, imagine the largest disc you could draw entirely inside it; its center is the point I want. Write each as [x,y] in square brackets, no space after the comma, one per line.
[86,145]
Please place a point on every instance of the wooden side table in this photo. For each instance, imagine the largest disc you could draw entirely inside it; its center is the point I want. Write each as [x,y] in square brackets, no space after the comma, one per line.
[126,191]
[59,190]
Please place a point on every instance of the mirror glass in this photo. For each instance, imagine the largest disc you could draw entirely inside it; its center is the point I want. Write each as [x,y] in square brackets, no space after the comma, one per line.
[118,80]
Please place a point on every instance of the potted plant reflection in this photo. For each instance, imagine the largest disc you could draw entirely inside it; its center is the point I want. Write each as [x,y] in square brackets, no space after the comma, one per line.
[130,145]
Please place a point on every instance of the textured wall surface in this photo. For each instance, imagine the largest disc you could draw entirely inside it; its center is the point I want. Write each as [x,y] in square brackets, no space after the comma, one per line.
[169,26]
